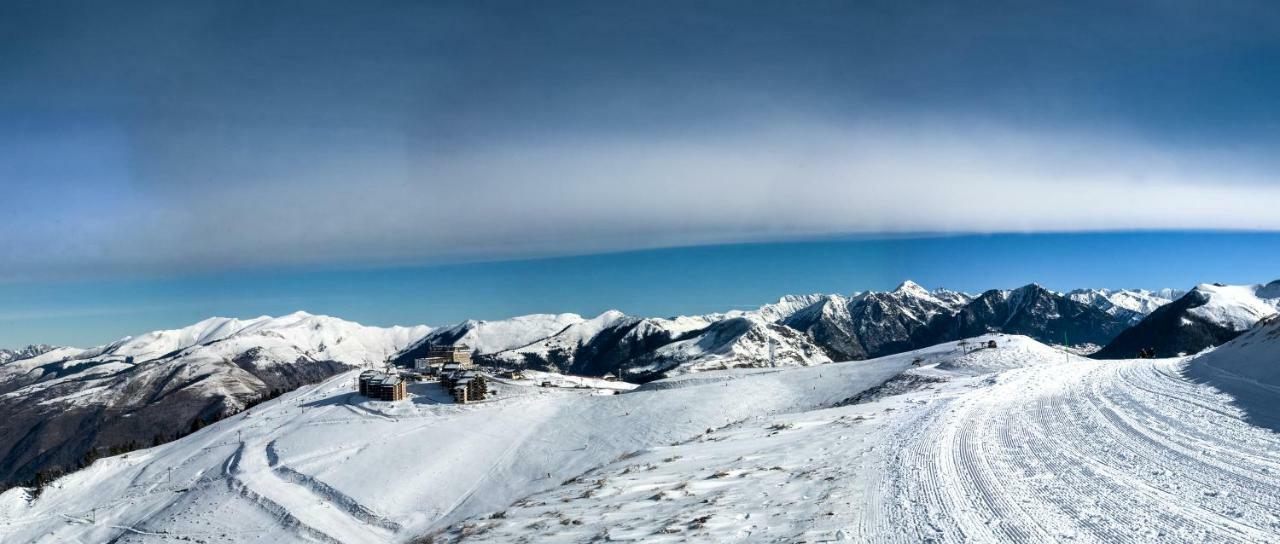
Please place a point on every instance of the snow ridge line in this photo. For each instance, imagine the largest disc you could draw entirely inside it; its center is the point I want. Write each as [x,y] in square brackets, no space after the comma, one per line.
[323,490]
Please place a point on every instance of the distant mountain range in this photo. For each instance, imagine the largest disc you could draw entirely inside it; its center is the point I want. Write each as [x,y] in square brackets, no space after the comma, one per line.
[62,404]
[1206,316]
[28,352]
[796,330]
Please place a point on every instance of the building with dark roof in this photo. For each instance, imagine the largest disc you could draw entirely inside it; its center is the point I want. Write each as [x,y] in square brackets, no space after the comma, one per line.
[381,386]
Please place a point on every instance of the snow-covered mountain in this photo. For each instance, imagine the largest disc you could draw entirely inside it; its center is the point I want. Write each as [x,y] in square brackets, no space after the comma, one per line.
[840,328]
[488,337]
[8,355]
[873,324]
[1129,304]
[1207,316]
[1031,310]
[609,343]
[860,326]
[746,341]
[63,403]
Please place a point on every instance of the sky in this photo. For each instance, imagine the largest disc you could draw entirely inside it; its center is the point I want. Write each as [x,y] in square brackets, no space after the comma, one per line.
[661,282]
[171,145]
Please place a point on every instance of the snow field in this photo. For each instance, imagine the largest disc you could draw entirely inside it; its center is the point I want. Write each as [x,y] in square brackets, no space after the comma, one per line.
[1057,450]
[323,464]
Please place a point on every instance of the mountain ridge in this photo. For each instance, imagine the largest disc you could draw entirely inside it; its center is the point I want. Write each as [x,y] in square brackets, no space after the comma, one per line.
[220,365]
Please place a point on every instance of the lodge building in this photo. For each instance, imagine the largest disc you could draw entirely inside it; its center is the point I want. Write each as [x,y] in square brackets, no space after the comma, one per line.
[438,357]
[464,385]
[381,386]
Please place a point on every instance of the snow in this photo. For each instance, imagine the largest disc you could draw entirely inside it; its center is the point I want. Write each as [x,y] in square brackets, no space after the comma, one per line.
[1057,448]
[787,306]
[495,336]
[570,337]
[1234,306]
[198,356]
[952,443]
[1248,369]
[1134,303]
[324,461]
[739,341]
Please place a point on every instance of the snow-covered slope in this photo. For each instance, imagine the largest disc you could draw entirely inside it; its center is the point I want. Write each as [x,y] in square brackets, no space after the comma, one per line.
[1248,369]
[324,464]
[747,341]
[1206,316]
[1052,448]
[65,402]
[1020,442]
[1237,307]
[488,337]
[779,311]
[611,342]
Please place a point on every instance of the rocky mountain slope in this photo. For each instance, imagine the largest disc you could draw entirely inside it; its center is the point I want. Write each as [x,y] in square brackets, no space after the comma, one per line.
[1207,316]
[1031,310]
[873,324]
[64,403]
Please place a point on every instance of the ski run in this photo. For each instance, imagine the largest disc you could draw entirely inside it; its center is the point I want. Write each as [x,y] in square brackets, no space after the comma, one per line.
[954,443]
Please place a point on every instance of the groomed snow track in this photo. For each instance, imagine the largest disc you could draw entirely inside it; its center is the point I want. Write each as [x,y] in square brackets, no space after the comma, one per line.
[1110,452]
[1064,449]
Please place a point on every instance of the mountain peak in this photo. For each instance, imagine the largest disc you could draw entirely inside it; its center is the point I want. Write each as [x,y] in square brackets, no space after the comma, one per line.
[911,287]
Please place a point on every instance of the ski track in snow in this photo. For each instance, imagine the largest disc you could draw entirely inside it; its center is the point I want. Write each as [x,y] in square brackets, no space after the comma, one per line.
[1125,452]
[1083,451]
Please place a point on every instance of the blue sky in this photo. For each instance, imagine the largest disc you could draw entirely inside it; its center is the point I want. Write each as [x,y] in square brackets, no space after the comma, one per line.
[655,282]
[240,145]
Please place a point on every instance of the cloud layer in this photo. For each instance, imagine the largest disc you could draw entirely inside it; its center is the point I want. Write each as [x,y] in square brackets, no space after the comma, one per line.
[174,138]
[776,180]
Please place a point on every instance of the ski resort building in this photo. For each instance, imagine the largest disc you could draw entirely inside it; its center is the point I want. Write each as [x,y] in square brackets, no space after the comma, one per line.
[439,357]
[381,386]
[465,385]
[428,366]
